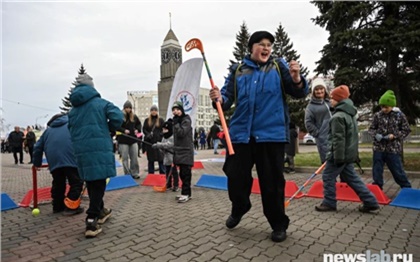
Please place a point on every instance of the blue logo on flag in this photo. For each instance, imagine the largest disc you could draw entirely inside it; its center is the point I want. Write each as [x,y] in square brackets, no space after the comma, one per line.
[187,100]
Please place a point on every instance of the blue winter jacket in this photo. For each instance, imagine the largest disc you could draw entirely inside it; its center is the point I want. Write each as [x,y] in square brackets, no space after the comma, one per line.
[90,122]
[57,145]
[261,110]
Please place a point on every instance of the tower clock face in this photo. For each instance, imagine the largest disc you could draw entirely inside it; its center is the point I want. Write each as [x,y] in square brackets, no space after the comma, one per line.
[177,55]
[166,55]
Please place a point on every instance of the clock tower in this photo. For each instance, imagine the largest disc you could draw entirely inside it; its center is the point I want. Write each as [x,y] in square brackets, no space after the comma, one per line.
[171,59]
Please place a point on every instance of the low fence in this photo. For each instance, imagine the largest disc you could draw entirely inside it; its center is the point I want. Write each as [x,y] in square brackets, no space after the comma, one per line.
[413,137]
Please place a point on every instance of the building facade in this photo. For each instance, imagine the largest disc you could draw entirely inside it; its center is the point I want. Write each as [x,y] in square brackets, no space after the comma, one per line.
[171,60]
[142,101]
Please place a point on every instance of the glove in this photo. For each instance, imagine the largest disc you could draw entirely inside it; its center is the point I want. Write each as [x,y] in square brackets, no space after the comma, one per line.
[176,119]
[378,137]
[386,137]
[154,146]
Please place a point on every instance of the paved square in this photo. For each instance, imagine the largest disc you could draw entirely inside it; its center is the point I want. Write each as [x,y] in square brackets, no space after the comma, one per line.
[151,226]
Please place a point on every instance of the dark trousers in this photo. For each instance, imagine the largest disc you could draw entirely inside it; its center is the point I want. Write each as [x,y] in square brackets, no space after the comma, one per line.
[96,191]
[17,150]
[172,178]
[395,165]
[268,158]
[185,174]
[58,189]
[31,151]
[151,167]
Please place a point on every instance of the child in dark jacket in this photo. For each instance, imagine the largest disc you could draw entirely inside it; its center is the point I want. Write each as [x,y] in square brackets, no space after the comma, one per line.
[184,149]
[343,150]
[167,146]
[58,148]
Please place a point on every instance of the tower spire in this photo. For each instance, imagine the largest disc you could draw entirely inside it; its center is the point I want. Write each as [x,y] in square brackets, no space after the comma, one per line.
[170,21]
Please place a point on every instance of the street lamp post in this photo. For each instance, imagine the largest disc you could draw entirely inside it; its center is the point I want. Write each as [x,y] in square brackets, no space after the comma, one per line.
[38,117]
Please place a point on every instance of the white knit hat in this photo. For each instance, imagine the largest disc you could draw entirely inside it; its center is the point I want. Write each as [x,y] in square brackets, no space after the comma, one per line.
[318,82]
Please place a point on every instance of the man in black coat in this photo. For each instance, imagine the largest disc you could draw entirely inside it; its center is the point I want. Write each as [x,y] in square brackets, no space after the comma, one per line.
[16,139]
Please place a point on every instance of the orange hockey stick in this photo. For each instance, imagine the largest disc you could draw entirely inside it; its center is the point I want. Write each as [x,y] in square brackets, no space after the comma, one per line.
[196,43]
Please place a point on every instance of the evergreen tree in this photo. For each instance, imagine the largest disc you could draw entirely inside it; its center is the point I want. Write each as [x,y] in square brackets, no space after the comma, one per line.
[66,100]
[240,51]
[372,47]
[241,48]
[283,47]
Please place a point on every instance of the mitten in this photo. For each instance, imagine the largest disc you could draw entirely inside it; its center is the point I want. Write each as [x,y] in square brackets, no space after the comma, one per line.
[176,119]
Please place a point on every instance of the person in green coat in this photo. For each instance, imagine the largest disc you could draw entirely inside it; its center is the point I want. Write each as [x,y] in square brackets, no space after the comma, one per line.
[91,120]
[343,143]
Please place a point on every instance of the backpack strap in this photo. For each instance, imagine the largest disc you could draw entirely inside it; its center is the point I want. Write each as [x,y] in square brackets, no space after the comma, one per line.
[281,79]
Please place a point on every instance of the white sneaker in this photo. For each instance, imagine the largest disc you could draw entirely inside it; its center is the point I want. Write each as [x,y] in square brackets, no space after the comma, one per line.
[183,199]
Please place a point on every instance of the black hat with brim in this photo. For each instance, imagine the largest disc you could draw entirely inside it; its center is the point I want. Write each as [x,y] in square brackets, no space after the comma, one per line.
[256,37]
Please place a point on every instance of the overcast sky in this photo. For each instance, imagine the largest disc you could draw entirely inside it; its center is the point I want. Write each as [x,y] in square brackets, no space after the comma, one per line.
[44,44]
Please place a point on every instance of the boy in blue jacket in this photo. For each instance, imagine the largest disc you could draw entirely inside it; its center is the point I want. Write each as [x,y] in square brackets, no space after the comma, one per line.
[259,129]
[58,148]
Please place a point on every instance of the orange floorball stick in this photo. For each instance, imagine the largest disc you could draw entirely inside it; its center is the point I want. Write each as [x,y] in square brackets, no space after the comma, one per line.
[317,172]
[196,43]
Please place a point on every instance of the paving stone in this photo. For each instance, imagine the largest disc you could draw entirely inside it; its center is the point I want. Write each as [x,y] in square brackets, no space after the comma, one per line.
[336,247]
[209,255]
[149,226]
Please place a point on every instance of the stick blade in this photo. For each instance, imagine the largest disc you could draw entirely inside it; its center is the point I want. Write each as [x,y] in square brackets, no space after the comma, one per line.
[159,188]
[194,43]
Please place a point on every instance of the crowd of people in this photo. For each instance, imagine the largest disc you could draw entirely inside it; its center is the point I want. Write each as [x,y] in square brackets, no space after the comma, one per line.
[260,129]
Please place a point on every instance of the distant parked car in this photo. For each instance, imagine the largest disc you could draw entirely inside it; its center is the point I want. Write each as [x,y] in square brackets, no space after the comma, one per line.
[308,139]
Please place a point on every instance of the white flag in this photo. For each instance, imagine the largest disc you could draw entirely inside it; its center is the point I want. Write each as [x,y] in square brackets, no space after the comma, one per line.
[186,88]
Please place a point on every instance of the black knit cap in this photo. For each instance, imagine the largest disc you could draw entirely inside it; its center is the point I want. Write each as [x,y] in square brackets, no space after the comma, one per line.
[256,37]
[169,124]
[127,104]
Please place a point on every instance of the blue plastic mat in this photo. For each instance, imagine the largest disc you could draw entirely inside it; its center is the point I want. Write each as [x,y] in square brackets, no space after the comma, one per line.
[408,197]
[212,181]
[7,203]
[119,182]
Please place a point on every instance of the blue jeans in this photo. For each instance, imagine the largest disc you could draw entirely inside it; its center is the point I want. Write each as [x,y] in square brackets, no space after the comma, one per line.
[394,163]
[215,144]
[151,167]
[352,179]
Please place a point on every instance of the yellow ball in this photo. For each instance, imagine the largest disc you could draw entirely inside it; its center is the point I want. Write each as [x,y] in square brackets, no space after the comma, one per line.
[35,212]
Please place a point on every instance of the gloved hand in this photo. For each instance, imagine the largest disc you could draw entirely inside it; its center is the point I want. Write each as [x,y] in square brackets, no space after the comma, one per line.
[378,137]
[154,146]
[386,137]
[176,119]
